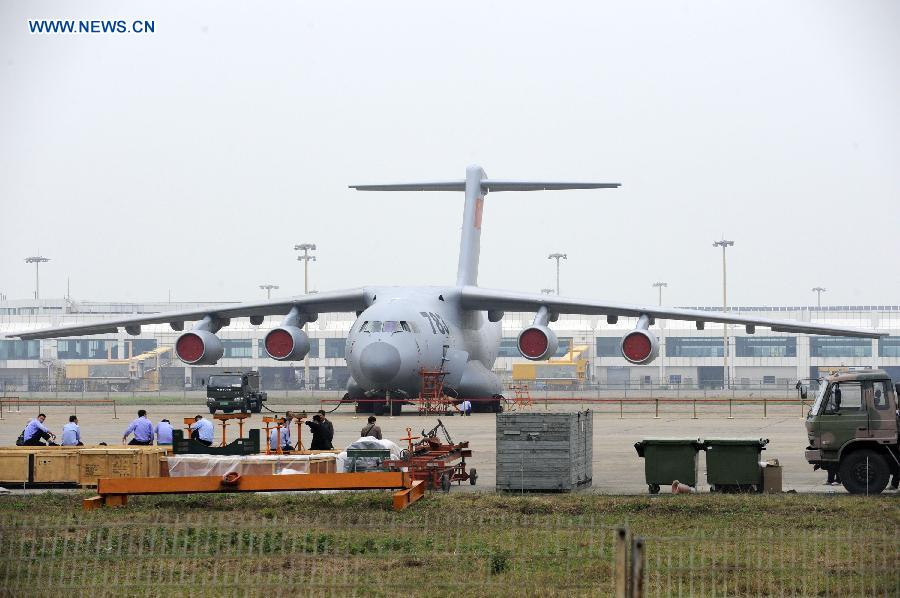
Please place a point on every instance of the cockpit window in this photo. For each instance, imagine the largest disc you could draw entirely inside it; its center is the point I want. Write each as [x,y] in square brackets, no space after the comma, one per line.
[405,326]
[375,326]
[363,327]
[391,327]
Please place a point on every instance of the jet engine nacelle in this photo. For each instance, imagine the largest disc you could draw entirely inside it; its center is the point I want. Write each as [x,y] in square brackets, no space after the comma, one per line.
[199,347]
[287,343]
[537,343]
[640,346]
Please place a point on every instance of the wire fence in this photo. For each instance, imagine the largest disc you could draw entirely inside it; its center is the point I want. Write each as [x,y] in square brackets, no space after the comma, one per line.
[376,553]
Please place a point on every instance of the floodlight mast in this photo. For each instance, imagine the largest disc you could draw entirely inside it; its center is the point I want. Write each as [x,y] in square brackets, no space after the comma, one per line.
[660,286]
[557,257]
[724,244]
[268,289]
[37,260]
[818,291]
[305,258]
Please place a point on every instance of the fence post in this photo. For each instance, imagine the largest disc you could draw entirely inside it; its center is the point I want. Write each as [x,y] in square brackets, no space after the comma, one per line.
[638,559]
[621,562]
[657,410]
[730,416]
[115,416]
[621,408]
[765,407]
[694,401]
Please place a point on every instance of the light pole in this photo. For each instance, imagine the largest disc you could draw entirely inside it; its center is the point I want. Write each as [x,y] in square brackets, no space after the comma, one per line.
[660,286]
[818,291]
[305,258]
[546,291]
[37,260]
[557,257]
[724,244]
[662,352]
[268,289]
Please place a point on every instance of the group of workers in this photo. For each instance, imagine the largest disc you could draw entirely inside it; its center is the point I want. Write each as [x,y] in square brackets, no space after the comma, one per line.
[321,427]
[141,430]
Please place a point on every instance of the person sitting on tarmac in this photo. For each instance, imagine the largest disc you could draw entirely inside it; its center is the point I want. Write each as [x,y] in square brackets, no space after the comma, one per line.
[371,429]
[285,439]
[163,433]
[36,431]
[142,428]
[72,433]
[202,430]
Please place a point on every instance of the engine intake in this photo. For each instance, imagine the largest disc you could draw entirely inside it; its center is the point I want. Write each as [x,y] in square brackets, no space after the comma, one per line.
[287,343]
[640,347]
[199,347]
[537,343]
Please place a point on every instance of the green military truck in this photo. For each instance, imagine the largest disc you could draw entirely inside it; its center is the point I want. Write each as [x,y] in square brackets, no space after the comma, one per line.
[853,429]
[234,391]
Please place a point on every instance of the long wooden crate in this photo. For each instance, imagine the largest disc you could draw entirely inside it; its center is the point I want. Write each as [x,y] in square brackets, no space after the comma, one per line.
[77,465]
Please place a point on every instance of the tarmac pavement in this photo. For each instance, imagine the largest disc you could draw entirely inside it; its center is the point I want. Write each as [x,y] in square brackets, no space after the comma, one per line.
[617,468]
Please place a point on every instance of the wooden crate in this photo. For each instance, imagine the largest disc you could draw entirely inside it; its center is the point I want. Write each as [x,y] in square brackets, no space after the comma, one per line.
[544,451]
[14,466]
[57,467]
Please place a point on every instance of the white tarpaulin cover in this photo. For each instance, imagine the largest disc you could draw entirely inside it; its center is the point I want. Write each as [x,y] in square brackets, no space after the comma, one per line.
[371,443]
[215,465]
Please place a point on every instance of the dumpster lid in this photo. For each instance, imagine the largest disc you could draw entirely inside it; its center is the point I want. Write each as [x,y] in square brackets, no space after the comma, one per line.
[647,441]
[737,441]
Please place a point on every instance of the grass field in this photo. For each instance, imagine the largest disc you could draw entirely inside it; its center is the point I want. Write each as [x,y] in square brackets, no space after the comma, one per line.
[461,545]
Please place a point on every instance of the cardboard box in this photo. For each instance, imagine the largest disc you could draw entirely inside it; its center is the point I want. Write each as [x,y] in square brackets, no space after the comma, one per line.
[772,479]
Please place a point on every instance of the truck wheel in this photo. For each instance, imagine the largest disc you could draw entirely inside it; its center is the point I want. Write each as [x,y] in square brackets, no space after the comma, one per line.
[257,407]
[653,488]
[212,410]
[245,406]
[473,476]
[445,482]
[396,408]
[378,408]
[864,472]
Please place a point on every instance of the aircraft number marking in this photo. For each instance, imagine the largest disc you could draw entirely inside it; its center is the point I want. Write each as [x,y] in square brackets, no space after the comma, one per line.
[438,326]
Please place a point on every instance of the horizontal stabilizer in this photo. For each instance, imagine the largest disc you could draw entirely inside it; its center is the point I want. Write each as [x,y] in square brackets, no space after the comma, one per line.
[487,185]
[433,186]
[492,185]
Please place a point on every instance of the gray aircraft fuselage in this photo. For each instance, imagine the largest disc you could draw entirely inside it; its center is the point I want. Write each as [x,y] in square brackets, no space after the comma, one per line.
[408,330]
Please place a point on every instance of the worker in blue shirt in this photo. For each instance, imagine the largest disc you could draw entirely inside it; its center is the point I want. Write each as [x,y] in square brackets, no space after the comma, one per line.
[72,433]
[163,432]
[142,428]
[285,437]
[202,430]
[36,431]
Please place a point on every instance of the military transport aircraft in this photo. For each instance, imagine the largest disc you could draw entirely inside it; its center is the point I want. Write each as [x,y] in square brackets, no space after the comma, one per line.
[401,331]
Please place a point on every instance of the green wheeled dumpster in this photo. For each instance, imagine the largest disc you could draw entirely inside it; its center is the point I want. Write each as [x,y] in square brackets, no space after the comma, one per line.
[732,464]
[669,459]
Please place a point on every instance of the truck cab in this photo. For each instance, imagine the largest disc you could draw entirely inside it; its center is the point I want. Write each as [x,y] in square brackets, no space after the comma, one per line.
[852,428]
[234,391]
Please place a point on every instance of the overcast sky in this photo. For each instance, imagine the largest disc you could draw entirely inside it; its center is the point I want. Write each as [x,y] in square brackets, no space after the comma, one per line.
[194,158]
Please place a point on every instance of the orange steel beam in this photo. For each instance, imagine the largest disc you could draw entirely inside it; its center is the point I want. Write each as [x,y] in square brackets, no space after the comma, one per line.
[404,498]
[255,483]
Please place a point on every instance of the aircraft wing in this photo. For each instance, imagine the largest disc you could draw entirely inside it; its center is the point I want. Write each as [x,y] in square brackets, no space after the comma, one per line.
[487,299]
[335,301]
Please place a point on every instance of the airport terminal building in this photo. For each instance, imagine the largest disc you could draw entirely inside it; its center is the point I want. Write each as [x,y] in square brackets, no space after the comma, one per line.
[688,358]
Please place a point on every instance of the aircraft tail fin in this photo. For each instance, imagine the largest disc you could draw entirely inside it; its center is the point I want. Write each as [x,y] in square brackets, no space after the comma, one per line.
[476,185]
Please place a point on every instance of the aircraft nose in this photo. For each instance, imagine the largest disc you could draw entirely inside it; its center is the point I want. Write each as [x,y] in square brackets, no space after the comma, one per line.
[380,362]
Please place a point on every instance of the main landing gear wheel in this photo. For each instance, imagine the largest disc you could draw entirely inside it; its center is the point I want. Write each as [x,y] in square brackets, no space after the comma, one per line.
[473,476]
[212,410]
